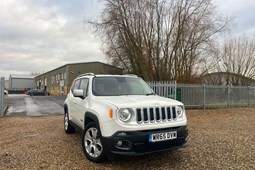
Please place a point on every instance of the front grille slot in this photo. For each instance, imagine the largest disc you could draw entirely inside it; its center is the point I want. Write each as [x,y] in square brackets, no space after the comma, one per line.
[163,114]
[138,115]
[174,112]
[152,119]
[155,114]
[169,117]
[145,115]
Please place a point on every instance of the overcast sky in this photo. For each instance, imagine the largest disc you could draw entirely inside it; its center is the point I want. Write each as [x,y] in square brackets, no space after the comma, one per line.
[41,35]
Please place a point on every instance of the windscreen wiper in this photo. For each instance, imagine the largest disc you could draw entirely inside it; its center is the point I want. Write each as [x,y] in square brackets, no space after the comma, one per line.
[148,94]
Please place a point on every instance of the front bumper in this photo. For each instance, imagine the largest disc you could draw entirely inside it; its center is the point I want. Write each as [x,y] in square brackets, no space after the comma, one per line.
[137,142]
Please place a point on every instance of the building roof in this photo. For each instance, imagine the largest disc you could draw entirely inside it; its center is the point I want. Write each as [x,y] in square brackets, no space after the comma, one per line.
[22,76]
[229,78]
[93,62]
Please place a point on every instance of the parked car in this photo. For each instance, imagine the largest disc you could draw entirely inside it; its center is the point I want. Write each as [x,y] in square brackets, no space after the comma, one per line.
[121,114]
[26,90]
[5,92]
[36,92]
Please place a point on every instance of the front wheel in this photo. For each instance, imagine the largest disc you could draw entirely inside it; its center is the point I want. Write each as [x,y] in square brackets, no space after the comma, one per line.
[92,145]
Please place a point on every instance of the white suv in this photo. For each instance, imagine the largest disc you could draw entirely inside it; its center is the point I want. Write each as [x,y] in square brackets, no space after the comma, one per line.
[120,114]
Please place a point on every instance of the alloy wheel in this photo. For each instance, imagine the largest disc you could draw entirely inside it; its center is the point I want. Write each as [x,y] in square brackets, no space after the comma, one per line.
[93,143]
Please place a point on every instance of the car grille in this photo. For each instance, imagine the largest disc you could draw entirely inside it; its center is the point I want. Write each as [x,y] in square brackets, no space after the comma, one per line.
[155,114]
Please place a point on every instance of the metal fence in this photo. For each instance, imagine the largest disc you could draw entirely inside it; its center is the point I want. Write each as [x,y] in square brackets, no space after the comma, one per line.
[164,88]
[206,96]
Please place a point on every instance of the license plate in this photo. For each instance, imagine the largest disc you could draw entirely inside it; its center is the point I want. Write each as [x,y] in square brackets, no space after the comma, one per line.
[156,137]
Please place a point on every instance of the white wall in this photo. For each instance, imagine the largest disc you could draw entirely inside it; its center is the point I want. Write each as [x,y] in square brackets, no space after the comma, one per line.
[21,84]
[6,84]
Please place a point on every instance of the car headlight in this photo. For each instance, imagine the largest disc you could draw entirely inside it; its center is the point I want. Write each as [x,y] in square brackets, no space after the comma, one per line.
[179,111]
[125,115]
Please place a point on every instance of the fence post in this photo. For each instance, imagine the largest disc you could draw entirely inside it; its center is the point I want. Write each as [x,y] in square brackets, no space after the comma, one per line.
[175,89]
[203,96]
[228,91]
[249,96]
[2,97]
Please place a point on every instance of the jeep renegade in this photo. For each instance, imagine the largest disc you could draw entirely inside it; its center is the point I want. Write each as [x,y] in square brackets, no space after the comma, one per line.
[121,114]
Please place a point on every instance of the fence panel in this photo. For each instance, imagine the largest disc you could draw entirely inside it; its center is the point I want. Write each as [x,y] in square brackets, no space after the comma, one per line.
[164,88]
[239,96]
[191,95]
[203,96]
[216,96]
[252,96]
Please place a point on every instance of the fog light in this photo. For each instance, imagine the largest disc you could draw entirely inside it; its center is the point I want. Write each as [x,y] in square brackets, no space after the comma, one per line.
[123,144]
[119,143]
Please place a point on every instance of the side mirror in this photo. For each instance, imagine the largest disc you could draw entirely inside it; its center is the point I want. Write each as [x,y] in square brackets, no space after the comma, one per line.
[78,93]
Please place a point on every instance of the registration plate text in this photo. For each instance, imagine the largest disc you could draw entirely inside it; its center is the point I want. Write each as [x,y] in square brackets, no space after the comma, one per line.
[162,136]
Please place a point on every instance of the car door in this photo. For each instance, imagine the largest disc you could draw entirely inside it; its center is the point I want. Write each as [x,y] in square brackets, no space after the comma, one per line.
[73,102]
[82,103]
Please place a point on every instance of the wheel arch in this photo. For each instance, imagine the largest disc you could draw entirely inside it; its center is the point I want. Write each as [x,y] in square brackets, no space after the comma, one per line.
[90,117]
[65,107]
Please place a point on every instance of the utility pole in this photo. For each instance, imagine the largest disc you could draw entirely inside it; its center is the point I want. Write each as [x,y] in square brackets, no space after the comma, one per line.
[2,97]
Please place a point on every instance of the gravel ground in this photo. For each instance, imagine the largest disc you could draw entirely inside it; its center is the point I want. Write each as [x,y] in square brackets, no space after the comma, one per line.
[219,139]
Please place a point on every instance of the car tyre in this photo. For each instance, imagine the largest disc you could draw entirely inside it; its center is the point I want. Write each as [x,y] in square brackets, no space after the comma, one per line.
[92,145]
[69,129]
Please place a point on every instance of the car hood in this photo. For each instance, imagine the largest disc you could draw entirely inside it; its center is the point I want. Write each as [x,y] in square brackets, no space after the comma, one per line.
[138,101]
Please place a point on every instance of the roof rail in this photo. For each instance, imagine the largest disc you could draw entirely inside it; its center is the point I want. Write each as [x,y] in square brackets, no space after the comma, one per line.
[131,75]
[86,74]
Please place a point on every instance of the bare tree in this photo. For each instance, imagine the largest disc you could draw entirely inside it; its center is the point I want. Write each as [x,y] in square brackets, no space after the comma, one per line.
[160,39]
[237,55]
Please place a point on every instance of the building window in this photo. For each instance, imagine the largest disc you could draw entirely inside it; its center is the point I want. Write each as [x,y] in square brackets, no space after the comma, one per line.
[52,79]
[45,81]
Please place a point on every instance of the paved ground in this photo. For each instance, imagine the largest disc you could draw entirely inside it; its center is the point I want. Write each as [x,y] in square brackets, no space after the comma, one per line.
[219,139]
[22,105]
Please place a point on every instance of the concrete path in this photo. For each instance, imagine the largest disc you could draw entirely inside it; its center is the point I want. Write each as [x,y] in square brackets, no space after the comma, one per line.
[23,105]
[31,107]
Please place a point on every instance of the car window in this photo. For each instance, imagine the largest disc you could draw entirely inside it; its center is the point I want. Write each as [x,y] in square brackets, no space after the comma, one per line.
[114,86]
[84,86]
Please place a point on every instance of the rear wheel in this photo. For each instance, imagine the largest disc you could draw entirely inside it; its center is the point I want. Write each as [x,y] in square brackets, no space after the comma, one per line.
[68,128]
[92,145]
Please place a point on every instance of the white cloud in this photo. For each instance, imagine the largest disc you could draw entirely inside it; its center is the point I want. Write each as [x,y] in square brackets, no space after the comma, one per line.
[37,36]
[40,35]
[243,13]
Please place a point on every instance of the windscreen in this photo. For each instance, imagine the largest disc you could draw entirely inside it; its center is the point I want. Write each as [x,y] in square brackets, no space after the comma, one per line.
[116,86]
